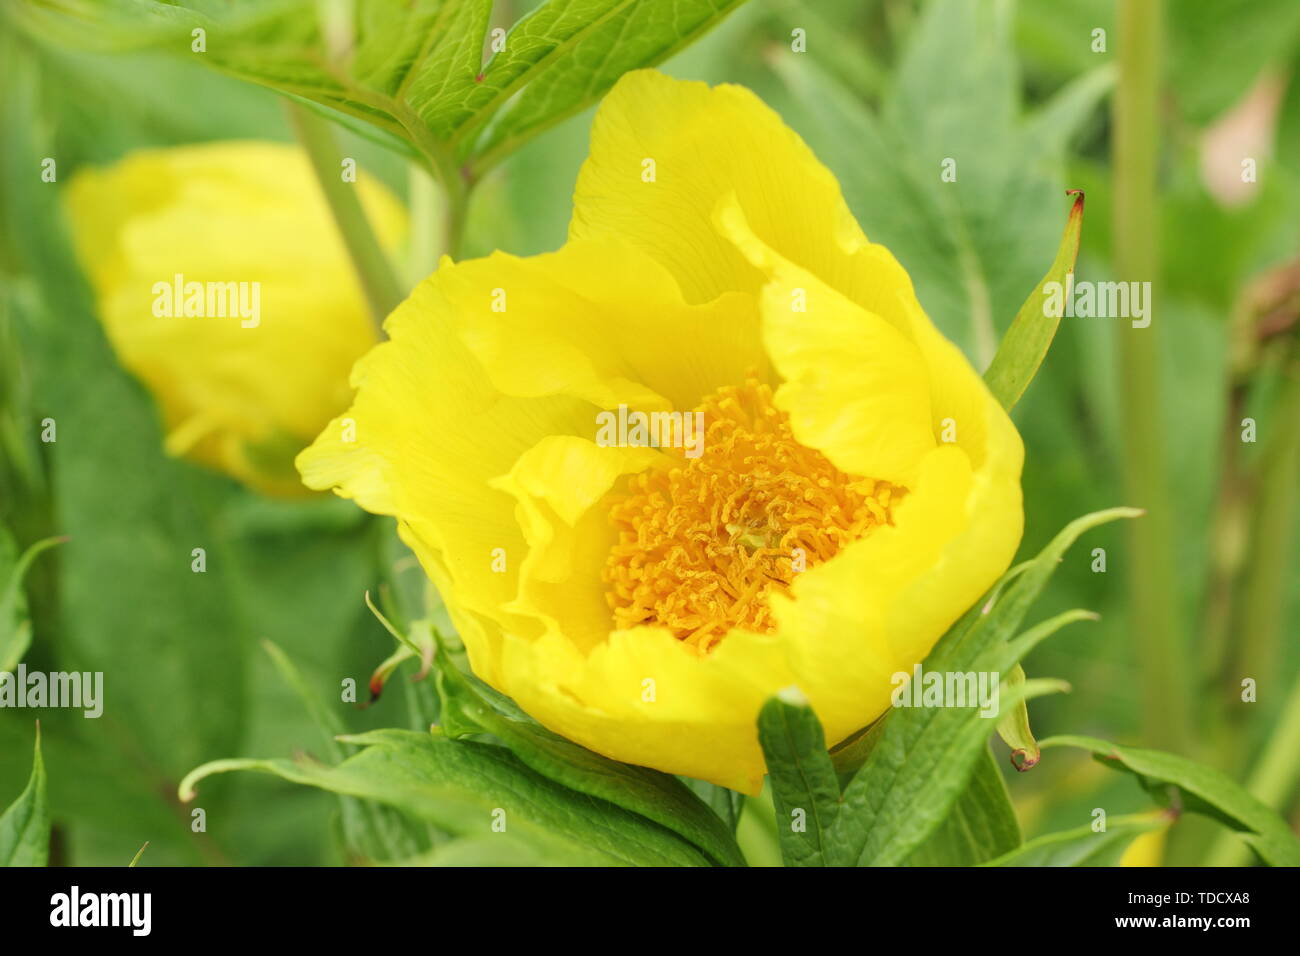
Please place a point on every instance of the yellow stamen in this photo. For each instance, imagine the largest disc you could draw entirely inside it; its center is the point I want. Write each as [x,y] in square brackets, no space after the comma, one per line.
[703,541]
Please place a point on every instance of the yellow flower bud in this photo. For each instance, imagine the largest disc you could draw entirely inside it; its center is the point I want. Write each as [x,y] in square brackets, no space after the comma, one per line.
[225,287]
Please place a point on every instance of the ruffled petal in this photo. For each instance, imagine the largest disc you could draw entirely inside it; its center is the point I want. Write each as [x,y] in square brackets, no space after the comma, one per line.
[602,322]
[705,143]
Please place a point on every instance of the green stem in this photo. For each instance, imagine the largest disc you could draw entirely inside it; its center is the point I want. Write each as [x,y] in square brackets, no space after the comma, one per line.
[382,288]
[1154,614]
[454,219]
[426,215]
[456,181]
[756,832]
[1268,565]
[1227,548]
[1273,781]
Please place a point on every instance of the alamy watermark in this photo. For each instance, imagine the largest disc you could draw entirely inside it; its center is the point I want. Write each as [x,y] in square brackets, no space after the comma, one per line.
[1100,300]
[923,688]
[81,690]
[637,429]
[74,908]
[217,300]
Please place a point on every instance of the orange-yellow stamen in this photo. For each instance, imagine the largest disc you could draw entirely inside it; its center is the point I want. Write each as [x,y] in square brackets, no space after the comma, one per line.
[704,541]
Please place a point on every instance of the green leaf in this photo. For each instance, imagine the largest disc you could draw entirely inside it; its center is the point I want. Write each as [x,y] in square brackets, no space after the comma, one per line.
[414,68]
[567,53]
[1203,790]
[981,826]
[465,787]
[25,826]
[723,801]
[1083,846]
[470,707]
[15,628]
[804,786]
[498,850]
[1025,344]
[849,755]
[925,755]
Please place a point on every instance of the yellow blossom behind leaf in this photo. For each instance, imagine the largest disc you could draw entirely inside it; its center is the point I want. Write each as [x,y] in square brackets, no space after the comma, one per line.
[856,489]
[224,286]
[1147,849]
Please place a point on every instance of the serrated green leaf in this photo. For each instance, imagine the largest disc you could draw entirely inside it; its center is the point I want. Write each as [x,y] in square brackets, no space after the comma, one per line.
[413,68]
[470,706]
[465,787]
[924,756]
[613,36]
[1083,846]
[25,826]
[1203,790]
[1025,344]
[804,786]
[981,826]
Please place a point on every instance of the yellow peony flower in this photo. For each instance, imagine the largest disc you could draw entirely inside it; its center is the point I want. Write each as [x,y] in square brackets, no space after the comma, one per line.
[646,601]
[224,286]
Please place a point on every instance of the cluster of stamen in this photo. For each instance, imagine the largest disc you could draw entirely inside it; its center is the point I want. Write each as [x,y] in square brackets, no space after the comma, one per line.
[703,542]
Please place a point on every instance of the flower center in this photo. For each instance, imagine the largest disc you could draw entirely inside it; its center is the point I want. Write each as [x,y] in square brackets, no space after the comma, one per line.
[702,542]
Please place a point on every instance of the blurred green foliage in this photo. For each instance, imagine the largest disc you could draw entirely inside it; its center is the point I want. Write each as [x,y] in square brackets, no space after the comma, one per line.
[887,90]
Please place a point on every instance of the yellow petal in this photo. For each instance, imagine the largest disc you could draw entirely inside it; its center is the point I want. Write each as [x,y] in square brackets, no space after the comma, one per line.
[559,484]
[646,698]
[602,322]
[878,607]
[425,437]
[704,143]
[856,387]
[1147,849]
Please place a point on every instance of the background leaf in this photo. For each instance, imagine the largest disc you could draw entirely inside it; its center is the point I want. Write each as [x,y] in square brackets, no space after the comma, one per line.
[25,826]
[974,246]
[15,627]
[1025,344]
[1083,846]
[1204,790]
